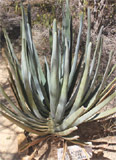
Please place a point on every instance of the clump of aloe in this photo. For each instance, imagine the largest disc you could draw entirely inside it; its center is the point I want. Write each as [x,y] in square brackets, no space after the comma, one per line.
[56,100]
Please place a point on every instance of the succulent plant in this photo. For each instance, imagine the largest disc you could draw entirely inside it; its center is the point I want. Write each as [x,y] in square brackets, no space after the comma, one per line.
[67,93]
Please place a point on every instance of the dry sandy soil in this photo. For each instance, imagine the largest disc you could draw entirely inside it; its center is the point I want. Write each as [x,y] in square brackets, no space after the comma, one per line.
[103,134]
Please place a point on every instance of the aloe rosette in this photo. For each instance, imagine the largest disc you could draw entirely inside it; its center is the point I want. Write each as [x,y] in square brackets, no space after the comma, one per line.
[67,93]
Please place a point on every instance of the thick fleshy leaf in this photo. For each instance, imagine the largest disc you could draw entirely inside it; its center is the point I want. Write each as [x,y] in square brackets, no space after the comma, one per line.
[97,95]
[93,111]
[25,119]
[88,32]
[10,48]
[112,70]
[97,48]
[55,101]
[80,93]
[66,132]
[27,79]
[94,78]
[54,80]
[74,65]
[16,110]
[67,33]
[105,114]
[33,59]
[77,76]
[23,126]
[47,70]
[64,91]
[68,122]
[107,87]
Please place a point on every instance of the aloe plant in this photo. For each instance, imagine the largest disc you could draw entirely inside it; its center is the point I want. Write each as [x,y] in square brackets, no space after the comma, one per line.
[67,93]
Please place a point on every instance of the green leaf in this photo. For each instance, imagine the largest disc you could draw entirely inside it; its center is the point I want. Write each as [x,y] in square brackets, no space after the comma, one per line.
[25,119]
[74,65]
[105,114]
[93,111]
[108,86]
[47,74]
[23,126]
[64,91]
[97,50]
[54,80]
[66,132]
[81,90]
[112,70]
[91,87]
[77,75]
[27,79]
[10,102]
[12,55]
[97,96]
[68,121]
[88,32]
